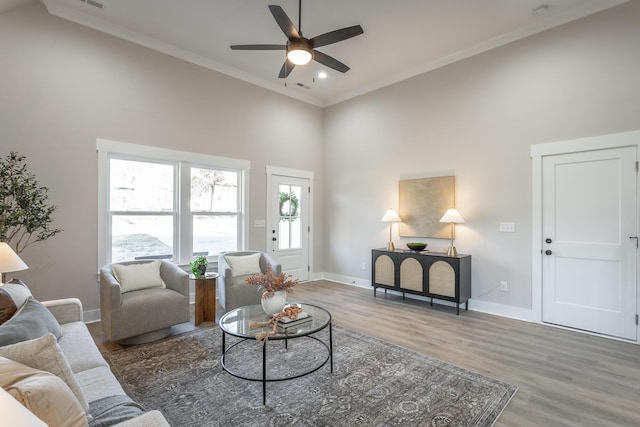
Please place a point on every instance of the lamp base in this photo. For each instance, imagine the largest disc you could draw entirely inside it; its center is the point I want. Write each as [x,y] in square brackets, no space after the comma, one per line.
[390,246]
[452,251]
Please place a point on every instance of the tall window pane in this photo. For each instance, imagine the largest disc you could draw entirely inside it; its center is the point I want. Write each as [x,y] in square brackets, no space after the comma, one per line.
[214,190]
[290,224]
[141,207]
[213,234]
[140,186]
[141,237]
[214,207]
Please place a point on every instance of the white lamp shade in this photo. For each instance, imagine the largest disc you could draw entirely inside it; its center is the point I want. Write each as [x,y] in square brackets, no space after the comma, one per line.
[452,215]
[9,260]
[391,216]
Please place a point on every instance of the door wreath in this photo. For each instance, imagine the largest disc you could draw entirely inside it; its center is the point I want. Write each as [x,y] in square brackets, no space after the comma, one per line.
[288,206]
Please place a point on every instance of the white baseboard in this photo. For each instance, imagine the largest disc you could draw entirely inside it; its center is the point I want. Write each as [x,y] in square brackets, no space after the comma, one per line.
[509,311]
[91,316]
[474,305]
[346,280]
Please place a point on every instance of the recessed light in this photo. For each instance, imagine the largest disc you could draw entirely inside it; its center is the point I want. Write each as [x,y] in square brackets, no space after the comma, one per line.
[541,10]
[322,75]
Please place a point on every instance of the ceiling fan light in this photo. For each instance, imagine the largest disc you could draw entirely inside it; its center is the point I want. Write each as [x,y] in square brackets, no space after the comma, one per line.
[299,56]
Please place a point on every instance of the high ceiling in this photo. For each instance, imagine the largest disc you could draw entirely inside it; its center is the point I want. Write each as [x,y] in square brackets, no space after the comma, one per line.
[401,38]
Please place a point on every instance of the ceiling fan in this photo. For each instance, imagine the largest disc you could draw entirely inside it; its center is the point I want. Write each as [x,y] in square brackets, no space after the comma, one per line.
[300,50]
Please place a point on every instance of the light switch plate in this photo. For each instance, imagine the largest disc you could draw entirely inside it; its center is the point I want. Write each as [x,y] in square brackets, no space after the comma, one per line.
[508,227]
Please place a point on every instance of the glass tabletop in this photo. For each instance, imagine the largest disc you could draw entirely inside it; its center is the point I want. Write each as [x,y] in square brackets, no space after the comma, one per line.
[238,322]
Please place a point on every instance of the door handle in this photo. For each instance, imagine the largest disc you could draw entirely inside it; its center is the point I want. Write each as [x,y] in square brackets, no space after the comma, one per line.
[548,252]
[635,237]
[548,240]
[273,239]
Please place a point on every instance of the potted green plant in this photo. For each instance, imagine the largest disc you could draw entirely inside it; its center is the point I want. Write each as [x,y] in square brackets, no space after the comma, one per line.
[199,265]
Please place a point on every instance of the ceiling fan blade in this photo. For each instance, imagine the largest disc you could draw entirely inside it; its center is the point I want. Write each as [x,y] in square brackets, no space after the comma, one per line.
[330,62]
[284,22]
[336,36]
[258,47]
[286,69]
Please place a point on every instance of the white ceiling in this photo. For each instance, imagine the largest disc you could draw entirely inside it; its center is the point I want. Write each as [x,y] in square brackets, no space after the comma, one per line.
[401,38]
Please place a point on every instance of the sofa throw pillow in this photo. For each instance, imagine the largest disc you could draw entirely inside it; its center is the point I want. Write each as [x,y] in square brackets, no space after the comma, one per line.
[32,320]
[134,277]
[44,394]
[242,265]
[45,354]
[7,306]
[18,291]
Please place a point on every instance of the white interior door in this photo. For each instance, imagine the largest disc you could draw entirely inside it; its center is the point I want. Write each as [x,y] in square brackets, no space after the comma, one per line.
[289,228]
[589,260]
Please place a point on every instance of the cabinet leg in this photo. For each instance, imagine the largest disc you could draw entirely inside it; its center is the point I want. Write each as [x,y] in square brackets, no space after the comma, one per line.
[466,306]
[458,308]
[385,292]
[374,292]
[431,302]
[403,296]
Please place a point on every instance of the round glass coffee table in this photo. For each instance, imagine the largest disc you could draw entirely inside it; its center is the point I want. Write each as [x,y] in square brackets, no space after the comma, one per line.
[237,323]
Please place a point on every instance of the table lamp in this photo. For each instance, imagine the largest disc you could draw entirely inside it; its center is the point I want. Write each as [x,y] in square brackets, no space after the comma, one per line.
[391,216]
[9,260]
[452,216]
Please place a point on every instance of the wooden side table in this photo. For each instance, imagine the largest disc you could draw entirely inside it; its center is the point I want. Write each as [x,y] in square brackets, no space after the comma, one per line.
[205,309]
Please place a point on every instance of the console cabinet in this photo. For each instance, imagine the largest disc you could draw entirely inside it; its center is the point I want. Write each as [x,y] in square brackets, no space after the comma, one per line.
[430,274]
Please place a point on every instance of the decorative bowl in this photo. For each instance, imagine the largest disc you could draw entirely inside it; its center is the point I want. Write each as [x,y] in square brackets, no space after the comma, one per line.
[417,246]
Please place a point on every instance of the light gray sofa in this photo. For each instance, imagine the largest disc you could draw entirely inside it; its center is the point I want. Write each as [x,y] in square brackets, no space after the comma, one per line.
[233,290]
[89,367]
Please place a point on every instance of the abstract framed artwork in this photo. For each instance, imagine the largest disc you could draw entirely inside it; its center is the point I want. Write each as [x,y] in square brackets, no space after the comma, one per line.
[422,202]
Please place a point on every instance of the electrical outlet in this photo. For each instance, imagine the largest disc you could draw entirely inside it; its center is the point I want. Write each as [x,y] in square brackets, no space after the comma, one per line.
[364,265]
[503,286]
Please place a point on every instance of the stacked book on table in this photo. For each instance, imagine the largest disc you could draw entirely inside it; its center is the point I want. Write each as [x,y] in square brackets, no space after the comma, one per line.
[286,323]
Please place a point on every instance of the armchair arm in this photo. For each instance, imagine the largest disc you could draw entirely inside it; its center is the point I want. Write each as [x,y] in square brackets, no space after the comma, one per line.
[65,310]
[175,278]
[110,290]
[276,267]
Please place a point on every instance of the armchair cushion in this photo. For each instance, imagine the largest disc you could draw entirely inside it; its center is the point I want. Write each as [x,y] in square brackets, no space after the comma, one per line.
[244,265]
[134,277]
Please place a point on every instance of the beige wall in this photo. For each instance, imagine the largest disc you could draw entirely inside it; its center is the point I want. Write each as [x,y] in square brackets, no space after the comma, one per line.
[63,86]
[478,117]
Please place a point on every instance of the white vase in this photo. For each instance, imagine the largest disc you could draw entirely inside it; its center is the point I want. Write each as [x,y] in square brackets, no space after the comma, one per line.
[275,304]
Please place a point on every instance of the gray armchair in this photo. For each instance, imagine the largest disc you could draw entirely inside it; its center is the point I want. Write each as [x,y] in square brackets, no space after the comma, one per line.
[233,290]
[143,315]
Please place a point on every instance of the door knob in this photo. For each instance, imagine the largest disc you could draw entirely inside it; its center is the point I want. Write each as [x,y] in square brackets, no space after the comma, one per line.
[548,252]
[274,239]
[548,240]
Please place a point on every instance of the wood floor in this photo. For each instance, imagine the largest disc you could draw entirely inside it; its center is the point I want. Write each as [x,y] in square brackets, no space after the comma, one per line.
[564,378]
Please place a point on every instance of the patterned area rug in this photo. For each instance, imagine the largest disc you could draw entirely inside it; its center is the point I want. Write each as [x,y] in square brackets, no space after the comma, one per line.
[374,383]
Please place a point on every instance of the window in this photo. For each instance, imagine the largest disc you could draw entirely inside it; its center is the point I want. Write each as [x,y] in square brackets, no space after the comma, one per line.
[165,204]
